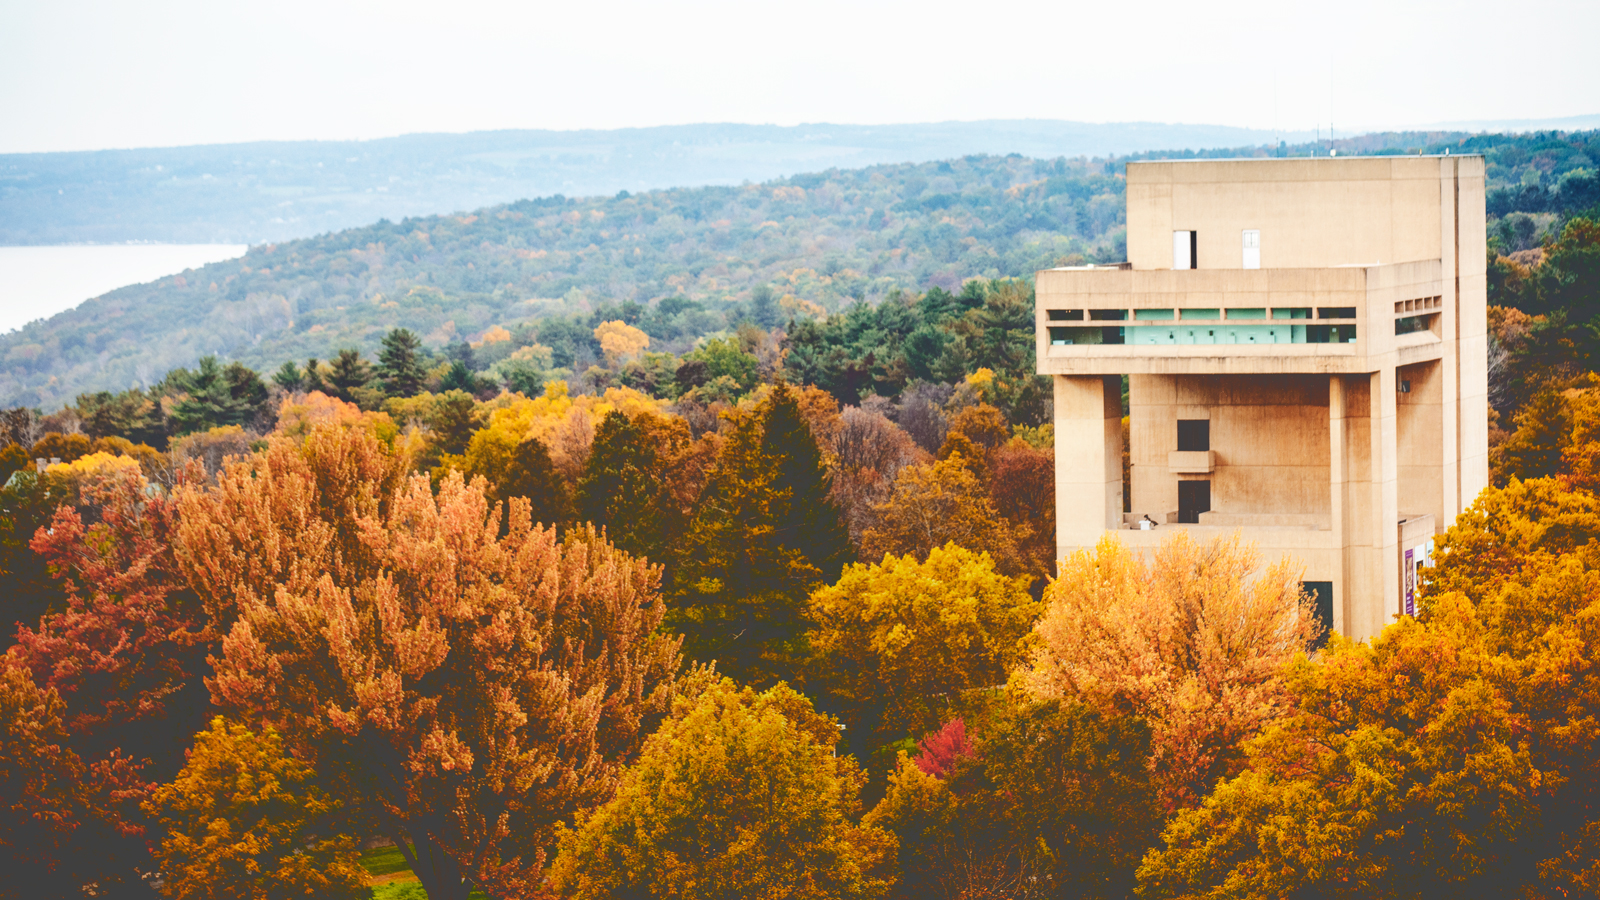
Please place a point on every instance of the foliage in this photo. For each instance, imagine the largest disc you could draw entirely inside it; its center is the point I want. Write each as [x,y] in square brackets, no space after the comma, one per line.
[244,820]
[564,423]
[899,640]
[43,794]
[941,503]
[1055,802]
[625,481]
[214,395]
[737,795]
[464,673]
[1194,641]
[620,342]
[402,363]
[127,649]
[765,535]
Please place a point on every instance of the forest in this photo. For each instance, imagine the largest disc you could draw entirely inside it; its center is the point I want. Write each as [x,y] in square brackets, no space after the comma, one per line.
[816,243]
[668,599]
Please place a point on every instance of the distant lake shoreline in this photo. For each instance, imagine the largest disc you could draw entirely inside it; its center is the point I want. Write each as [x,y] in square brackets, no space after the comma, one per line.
[38,281]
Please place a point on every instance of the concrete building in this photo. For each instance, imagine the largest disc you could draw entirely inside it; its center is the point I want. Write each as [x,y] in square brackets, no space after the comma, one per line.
[1305,347]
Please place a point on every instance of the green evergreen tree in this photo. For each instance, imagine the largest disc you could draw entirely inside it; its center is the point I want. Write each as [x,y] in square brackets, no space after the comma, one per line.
[214,395]
[766,534]
[400,363]
[349,375]
[458,378]
[313,377]
[289,377]
[531,474]
[620,488]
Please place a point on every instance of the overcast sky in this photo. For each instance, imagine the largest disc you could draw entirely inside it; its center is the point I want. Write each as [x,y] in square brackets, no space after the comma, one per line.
[89,75]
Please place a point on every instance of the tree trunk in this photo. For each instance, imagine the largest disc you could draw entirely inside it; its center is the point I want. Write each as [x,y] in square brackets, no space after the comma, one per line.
[441,876]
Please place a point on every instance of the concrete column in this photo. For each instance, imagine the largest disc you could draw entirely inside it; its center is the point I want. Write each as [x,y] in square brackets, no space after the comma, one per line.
[1338,478]
[1088,421]
[1385,600]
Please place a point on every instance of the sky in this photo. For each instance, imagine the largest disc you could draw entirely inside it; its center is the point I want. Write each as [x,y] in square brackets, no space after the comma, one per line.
[90,74]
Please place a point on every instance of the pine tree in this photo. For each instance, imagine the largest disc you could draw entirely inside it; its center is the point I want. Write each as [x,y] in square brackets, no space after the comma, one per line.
[288,376]
[767,533]
[350,373]
[621,487]
[400,363]
[530,473]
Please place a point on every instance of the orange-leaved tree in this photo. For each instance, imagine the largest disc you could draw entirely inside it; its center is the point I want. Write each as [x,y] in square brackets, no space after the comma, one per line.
[469,675]
[1195,641]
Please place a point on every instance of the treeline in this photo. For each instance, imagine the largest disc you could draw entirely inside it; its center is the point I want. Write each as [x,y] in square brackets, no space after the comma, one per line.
[814,243]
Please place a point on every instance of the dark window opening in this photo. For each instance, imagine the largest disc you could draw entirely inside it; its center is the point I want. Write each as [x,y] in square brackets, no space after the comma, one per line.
[1194,498]
[1322,603]
[1194,434]
[1108,315]
[1336,312]
[1066,315]
[1413,324]
[1194,249]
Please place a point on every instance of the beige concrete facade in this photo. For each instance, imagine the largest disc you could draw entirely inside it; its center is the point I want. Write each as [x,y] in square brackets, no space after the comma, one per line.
[1322,333]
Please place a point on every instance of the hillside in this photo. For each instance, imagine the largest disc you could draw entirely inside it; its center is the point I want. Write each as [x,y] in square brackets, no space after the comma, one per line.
[275,191]
[813,243]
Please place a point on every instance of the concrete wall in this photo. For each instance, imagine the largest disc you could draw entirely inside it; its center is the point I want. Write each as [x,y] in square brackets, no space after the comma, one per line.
[1310,212]
[1269,441]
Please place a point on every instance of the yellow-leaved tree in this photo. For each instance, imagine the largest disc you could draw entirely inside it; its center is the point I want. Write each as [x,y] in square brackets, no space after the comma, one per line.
[244,819]
[620,342]
[563,423]
[1194,640]
[899,640]
[738,795]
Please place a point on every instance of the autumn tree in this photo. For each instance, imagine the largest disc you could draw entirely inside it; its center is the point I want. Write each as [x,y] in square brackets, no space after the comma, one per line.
[976,430]
[462,672]
[766,534]
[245,820]
[738,795]
[936,504]
[899,640]
[1022,483]
[43,796]
[868,451]
[620,342]
[1194,641]
[1413,766]
[1055,800]
[127,650]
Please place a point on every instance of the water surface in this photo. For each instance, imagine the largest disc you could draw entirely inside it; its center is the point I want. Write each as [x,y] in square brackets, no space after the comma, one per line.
[38,282]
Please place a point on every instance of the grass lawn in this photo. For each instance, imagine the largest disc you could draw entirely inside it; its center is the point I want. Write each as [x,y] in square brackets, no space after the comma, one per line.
[392,878]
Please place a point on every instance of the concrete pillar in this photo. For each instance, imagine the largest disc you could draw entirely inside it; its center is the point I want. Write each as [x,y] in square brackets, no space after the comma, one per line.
[1385,601]
[1338,480]
[1088,422]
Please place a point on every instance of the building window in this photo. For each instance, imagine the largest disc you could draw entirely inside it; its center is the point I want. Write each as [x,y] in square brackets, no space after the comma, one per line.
[1194,434]
[1252,248]
[1185,247]
[1322,603]
[1194,498]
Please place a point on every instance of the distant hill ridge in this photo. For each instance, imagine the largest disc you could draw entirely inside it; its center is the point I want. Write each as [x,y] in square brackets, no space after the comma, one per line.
[816,242]
[274,191]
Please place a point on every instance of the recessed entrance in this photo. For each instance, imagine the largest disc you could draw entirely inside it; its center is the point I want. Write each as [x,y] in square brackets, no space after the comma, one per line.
[1194,498]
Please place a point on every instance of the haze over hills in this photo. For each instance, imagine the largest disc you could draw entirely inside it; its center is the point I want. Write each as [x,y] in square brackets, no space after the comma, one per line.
[262,192]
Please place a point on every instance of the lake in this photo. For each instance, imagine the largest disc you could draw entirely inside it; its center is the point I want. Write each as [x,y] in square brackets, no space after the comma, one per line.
[38,282]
